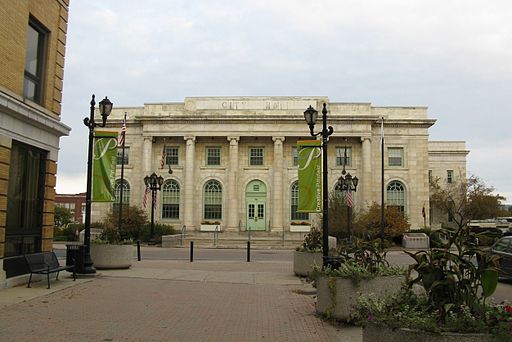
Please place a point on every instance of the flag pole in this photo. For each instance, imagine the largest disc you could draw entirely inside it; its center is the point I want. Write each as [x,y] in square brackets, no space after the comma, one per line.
[121,186]
[382,183]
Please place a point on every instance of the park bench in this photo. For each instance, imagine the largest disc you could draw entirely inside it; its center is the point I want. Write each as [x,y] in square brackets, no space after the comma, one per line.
[46,263]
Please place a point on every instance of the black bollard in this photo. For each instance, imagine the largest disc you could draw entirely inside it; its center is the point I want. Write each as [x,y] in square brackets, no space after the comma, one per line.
[138,250]
[191,251]
[248,251]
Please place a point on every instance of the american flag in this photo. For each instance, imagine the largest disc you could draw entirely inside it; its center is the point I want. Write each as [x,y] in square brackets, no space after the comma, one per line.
[145,199]
[349,200]
[162,162]
[120,141]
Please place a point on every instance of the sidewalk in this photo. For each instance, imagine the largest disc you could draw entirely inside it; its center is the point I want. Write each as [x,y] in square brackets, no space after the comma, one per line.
[162,300]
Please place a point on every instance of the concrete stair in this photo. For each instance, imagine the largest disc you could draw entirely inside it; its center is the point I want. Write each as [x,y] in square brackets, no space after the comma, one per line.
[259,240]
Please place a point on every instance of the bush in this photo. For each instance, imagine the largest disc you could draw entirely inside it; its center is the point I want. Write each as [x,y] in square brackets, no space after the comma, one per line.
[67,233]
[312,241]
[160,229]
[368,223]
[132,224]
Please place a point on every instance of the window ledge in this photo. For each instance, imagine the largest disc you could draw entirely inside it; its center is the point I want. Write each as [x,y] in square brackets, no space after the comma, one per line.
[213,167]
[255,168]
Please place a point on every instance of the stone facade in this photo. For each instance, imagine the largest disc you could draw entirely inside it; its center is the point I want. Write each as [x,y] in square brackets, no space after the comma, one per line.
[447,164]
[33,35]
[275,124]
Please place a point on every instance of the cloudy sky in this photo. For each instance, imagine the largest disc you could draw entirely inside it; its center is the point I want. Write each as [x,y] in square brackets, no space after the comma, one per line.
[454,56]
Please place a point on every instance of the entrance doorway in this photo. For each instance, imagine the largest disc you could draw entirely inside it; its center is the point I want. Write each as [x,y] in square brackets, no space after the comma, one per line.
[256,196]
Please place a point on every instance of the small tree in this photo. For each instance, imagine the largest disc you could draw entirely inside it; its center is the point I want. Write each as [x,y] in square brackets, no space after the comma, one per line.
[468,199]
[132,225]
[62,216]
[368,222]
[338,216]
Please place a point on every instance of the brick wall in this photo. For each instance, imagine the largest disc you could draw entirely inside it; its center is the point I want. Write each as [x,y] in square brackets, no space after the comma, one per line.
[5,157]
[53,14]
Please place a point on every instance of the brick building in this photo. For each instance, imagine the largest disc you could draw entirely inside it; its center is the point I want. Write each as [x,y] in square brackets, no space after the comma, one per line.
[74,202]
[33,36]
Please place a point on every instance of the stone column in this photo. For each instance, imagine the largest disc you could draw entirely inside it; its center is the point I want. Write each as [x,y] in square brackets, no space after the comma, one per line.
[233,209]
[146,156]
[277,187]
[188,209]
[366,181]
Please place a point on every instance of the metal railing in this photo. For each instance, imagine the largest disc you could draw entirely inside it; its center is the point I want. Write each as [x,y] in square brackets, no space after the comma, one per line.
[183,233]
[216,236]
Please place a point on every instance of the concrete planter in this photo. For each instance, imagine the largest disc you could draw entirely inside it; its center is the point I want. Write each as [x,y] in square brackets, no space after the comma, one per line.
[374,332]
[111,256]
[302,228]
[210,227]
[337,296]
[303,262]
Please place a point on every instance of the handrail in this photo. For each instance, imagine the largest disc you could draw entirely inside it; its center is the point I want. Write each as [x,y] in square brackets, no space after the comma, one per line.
[183,232]
[216,236]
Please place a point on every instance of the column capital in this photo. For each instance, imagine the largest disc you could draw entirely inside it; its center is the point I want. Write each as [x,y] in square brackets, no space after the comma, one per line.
[149,137]
[366,138]
[233,139]
[276,139]
[189,138]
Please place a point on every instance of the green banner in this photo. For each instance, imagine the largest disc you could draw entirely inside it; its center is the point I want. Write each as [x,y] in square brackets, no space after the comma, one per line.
[309,154]
[104,166]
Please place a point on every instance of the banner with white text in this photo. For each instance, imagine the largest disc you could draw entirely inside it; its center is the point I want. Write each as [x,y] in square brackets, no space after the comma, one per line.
[309,153]
[104,166]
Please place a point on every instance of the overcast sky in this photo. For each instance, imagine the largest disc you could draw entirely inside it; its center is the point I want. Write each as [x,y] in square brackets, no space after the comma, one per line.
[453,56]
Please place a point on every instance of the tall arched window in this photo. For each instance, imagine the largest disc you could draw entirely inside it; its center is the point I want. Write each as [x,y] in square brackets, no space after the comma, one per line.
[171,200]
[396,196]
[212,199]
[126,193]
[294,204]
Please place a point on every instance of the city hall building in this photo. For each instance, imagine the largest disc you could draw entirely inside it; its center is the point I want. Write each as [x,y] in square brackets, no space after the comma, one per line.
[231,162]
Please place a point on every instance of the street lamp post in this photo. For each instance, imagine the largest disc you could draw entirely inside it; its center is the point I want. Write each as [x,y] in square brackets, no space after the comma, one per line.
[349,185]
[105,107]
[154,183]
[311,115]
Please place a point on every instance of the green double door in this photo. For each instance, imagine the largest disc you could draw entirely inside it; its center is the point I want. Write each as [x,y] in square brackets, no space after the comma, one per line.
[256,197]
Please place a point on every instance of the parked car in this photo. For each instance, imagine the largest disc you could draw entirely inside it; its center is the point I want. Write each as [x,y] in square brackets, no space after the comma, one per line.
[503,248]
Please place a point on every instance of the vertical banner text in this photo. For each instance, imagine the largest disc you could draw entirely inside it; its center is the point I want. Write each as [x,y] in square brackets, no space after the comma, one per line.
[309,154]
[104,166]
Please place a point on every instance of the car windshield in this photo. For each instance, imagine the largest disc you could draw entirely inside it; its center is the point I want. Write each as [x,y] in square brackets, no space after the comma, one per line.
[502,245]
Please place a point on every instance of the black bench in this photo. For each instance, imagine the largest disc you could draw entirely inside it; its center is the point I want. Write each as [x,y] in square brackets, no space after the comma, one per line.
[46,263]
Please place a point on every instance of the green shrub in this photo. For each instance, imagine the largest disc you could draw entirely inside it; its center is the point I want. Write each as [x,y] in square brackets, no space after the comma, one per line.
[160,229]
[132,224]
[312,241]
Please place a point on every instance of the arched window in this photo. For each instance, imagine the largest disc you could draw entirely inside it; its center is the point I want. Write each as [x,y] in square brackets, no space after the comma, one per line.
[212,199]
[126,193]
[294,204]
[171,200]
[396,196]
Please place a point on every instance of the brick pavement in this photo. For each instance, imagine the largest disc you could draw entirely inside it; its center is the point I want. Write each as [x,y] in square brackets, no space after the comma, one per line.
[135,305]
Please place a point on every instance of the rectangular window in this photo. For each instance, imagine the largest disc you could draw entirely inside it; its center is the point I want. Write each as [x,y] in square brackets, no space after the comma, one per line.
[213,155]
[120,156]
[171,204]
[429,176]
[35,60]
[25,199]
[213,211]
[449,176]
[395,156]
[340,156]
[295,156]
[256,155]
[171,155]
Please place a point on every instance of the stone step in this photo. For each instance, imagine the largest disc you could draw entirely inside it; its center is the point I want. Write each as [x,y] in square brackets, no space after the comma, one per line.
[206,240]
